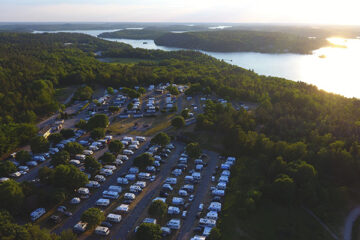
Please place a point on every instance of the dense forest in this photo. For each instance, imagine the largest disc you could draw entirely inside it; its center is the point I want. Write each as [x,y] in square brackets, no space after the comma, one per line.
[134,34]
[298,150]
[242,41]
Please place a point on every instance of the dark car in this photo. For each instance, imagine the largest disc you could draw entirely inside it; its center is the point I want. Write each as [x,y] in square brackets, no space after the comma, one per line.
[68,214]
[198,230]
[216,199]
[163,194]
[106,224]
[55,219]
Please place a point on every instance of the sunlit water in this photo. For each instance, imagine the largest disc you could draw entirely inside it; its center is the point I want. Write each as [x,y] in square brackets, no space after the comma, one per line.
[331,69]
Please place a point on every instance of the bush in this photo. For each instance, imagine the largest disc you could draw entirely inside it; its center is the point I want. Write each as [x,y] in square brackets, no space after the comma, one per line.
[55,138]
[81,124]
[62,157]
[7,167]
[193,150]
[83,93]
[92,166]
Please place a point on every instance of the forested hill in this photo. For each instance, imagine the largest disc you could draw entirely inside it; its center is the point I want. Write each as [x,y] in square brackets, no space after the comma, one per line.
[242,41]
[134,34]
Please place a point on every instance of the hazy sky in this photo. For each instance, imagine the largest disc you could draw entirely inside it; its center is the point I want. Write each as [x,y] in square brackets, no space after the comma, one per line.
[286,11]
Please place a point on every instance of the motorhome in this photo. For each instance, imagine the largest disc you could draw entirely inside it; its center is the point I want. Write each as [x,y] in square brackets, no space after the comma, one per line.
[115,188]
[177,201]
[122,157]
[35,215]
[100,230]
[215,206]
[110,194]
[83,191]
[113,217]
[106,172]
[122,208]
[174,224]
[129,196]
[173,210]
[144,175]
[102,202]
[123,181]
[141,184]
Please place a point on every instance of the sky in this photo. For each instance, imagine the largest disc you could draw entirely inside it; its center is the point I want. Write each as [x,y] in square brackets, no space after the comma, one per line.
[262,11]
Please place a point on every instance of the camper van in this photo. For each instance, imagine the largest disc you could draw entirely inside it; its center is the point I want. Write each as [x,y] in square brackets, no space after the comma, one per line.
[130,177]
[113,217]
[122,208]
[129,196]
[110,194]
[104,231]
[141,184]
[135,189]
[134,170]
[174,224]
[171,181]
[84,191]
[102,202]
[122,157]
[215,206]
[106,172]
[115,188]
[143,175]
[173,210]
[123,181]
[93,184]
[128,152]
[35,215]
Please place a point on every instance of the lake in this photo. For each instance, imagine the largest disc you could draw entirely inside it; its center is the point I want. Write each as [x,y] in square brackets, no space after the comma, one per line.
[332,69]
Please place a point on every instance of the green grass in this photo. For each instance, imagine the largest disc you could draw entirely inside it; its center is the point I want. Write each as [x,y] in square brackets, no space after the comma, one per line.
[61,94]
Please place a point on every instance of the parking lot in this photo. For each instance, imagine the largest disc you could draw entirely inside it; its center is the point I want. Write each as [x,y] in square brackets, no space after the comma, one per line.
[184,183]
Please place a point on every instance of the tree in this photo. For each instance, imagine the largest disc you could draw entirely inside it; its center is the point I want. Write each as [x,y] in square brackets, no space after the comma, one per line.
[178,122]
[69,177]
[115,146]
[92,166]
[215,234]
[148,231]
[93,216]
[141,90]
[185,113]
[74,148]
[98,121]
[11,196]
[23,156]
[108,158]
[68,235]
[193,150]
[173,90]
[283,189]
[7,167]
[114,109]
[83,93]
[130,106]
[81,124]
[97,133]
[55,138]
[46,175]
[143,160]
[67,133]
[39,144]
[161,139]
[62,157]
[158,209]
[110,90]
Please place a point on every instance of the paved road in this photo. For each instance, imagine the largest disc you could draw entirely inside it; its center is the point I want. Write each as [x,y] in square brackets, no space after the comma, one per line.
[349,222]
[121,231]
[70,222]
[185,231]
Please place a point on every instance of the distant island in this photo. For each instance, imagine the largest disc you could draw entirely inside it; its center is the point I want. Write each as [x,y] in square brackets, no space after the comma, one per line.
[228,40]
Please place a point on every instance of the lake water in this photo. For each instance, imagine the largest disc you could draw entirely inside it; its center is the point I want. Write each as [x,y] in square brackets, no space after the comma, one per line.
[331,69]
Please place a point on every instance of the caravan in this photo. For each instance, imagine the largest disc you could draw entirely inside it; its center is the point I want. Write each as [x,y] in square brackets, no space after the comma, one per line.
[37,214]
[113,217]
